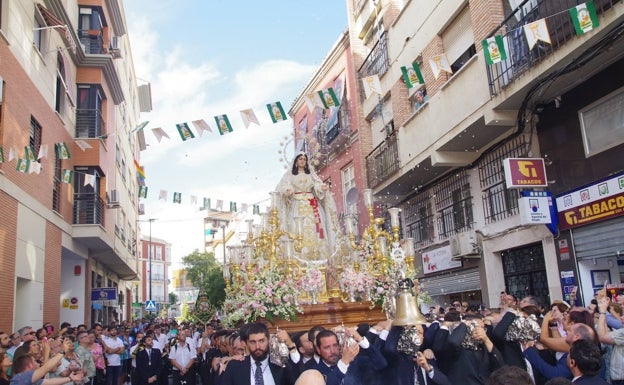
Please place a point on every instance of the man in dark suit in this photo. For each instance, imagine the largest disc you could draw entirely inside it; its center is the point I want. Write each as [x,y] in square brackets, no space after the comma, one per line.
[255,369]
[335,359]
[467,354]
[403,367]
[148,362]
[584,361]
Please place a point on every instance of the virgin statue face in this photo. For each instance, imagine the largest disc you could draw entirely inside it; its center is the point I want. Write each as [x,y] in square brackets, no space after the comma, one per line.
[302,160]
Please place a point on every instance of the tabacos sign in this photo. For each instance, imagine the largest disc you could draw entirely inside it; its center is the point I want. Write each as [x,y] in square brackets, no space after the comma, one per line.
[592,203]
[525,172]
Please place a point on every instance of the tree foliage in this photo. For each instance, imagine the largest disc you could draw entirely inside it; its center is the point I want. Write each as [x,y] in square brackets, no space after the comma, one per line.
[173,298]
[203,271]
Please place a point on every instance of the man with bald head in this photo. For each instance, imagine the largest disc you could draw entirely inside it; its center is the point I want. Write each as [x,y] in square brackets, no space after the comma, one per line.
[576,332]
[310,377]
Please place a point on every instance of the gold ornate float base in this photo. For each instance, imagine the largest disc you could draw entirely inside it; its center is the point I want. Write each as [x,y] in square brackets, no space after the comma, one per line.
[330,314]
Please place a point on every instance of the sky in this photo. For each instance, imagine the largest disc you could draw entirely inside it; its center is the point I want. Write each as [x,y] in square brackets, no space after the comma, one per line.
[210,57]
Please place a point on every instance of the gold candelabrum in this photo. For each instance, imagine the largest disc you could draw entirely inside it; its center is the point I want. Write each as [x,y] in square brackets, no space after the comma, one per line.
[266,246]
[375,239]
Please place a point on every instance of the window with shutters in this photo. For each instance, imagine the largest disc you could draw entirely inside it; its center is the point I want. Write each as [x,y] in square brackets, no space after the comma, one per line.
[348,182]
[36,133]
[458,40]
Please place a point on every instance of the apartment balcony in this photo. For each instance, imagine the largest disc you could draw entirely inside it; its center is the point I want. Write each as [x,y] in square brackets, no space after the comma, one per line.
[89,123]
[88,209]
[544,58]
[479,104]
[89,230]
[383,161]
[91,41]
[376,63]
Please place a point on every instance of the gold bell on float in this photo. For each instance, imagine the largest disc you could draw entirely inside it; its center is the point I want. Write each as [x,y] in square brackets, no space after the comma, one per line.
[407,310]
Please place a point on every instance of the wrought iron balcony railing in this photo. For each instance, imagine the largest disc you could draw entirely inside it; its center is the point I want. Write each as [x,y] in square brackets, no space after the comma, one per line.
[91,40]
[88,209]
[383,161]
[376,63]
[519,57]
[89,123]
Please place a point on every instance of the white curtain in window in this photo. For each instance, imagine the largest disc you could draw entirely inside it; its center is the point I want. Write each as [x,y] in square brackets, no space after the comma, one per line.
[458,36]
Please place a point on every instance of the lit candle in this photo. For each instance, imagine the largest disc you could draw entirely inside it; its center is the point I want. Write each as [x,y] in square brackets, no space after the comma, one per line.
[368,198]
[394,216]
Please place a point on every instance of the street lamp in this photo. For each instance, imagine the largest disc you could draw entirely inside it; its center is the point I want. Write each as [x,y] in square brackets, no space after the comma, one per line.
[149,253]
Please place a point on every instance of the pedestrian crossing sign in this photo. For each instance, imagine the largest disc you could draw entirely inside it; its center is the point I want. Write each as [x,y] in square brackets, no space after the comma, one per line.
[150,305]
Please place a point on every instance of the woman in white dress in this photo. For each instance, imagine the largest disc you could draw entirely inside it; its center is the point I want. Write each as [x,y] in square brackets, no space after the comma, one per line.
[305,195]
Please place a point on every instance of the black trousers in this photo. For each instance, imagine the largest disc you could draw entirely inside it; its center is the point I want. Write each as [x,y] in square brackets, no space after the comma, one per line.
[187,379]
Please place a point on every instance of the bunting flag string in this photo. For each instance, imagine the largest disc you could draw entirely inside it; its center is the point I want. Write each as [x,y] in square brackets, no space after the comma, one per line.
[584,18]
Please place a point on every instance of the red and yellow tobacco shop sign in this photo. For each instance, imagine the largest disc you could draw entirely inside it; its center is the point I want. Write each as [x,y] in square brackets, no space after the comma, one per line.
[593,203]
[525,172]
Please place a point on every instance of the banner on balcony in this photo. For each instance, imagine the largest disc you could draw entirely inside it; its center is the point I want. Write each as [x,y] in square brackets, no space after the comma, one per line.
[177,197]
[536,31]
[584,17]
[494,49]
[412,75]
[276,112]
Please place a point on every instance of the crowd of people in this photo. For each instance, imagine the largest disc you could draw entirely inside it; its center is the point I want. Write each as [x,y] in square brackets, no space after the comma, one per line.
[520,343]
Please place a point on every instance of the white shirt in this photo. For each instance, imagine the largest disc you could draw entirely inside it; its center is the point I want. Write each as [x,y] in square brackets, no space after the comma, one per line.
[160,341]
[113,343]
[182,354]
[266,372]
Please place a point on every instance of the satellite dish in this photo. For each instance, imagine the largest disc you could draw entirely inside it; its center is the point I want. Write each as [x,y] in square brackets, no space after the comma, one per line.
[352,198]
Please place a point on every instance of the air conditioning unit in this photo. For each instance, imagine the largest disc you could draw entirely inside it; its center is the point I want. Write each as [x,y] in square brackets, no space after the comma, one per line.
[113,198]
[464,245]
